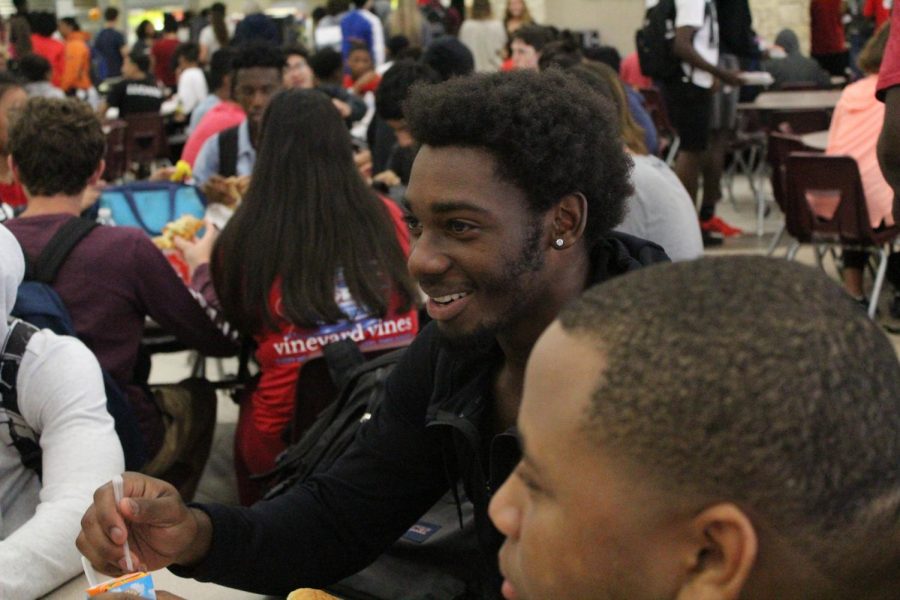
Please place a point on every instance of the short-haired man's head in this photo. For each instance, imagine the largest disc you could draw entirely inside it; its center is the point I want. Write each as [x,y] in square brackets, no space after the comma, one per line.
[563,53]
[758,382]
[549,133]
[42,23]
[395,86]
[220,67]
[34,67]
[140,60]
[256,55]
[56,145]
[111,14]
[327,64]
[189,52]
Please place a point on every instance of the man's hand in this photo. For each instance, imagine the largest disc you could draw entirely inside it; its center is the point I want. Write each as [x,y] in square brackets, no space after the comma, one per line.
[342,107]
[732,78]
[197,252]
[158,525]
[388,178]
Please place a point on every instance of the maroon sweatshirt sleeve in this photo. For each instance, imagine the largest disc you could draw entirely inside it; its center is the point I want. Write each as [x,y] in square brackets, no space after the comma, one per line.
[190,314]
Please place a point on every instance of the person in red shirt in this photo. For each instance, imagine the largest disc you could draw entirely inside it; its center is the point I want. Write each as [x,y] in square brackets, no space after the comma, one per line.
[880,10]
[43,25]
[826,32]
[163,52]
[332,266]
[362,77]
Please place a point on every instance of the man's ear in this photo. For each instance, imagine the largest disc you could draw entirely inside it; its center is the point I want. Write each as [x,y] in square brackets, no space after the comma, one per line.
[569,220]
[723,555]
[98,173]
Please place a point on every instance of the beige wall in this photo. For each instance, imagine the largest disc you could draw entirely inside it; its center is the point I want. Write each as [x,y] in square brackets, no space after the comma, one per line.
[771,16]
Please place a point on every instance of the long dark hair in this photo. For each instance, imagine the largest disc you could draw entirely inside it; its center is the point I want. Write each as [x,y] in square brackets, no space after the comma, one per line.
[307,216]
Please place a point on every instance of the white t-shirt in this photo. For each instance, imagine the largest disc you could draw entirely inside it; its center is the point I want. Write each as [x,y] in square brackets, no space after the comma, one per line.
[700,14]
[486,39]
[61,397]
[661,211]
[192,88]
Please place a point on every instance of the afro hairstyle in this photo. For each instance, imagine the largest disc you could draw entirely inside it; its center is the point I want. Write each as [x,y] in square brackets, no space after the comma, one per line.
[549,133]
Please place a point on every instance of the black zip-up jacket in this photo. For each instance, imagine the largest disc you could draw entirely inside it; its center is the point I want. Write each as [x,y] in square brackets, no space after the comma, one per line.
[430,430]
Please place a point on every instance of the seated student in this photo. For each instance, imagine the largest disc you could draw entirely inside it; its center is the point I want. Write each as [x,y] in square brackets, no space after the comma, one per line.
[794,67]
[718,429]
[855,126]
[62,407]
[328,68]
[36,71]
[389,100]
[362,77]
[526,44]
[255,76]
[346,277]
[659,210]
[218,112]
[137,92]
[297,72]
[508,225]
[220,86]
[192,87]
[115,277]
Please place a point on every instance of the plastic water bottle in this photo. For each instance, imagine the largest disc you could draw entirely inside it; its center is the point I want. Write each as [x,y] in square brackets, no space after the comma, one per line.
[104,216]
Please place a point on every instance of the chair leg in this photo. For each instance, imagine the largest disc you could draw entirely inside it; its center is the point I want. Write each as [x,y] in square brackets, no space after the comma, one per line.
[673,151]
[792,251]
[879,281]
[776,240]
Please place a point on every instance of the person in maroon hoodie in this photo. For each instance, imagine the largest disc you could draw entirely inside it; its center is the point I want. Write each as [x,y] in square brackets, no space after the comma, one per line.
[115,277]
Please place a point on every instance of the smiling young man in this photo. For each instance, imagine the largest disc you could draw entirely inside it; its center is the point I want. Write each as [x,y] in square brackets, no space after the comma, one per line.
[648,475]
[513,195]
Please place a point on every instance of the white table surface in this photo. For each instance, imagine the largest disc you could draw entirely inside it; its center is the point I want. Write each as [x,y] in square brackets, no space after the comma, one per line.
[794,100]
[162,580]
[817,139]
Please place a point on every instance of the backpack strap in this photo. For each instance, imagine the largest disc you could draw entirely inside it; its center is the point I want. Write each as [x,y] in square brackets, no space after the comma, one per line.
[46,267]
[228,152]
[342,357]
[11,355]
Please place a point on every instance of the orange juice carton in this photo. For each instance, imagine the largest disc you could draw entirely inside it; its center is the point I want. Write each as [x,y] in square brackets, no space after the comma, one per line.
[138,585]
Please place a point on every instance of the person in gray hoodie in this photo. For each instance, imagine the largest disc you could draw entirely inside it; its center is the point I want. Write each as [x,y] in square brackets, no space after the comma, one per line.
[794,67]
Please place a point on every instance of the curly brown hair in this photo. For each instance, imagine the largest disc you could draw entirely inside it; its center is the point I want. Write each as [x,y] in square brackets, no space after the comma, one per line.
[56,145]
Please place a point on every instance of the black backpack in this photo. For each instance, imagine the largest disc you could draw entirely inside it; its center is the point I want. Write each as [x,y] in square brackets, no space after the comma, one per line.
[24,439]
[38,303]
[228,151]
[655,40]
[434,559]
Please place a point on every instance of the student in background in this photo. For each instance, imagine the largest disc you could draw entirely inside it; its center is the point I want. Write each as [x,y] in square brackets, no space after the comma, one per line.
[109,45]
[484,36]
[77,70]
[216,35]
[137,92]
[37,72]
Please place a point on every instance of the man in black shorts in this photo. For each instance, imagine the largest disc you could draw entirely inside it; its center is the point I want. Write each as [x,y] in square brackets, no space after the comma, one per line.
[689,96]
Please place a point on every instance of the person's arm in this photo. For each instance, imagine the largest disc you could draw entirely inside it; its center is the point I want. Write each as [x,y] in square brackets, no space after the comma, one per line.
[683,48]
[317,532]
[180,310]
[61,394]
[889,145]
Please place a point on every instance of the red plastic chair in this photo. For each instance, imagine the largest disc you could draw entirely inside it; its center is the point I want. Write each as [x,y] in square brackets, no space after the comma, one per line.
[116,150]
[778,148]
[825,206]
[799,121]
[146,139]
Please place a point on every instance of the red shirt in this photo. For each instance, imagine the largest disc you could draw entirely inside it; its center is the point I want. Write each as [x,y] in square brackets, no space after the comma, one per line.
[889,74]
[826,31]
[163,50]
[13,194]
[219,118]
[876,8]
[281,352]
[630,72]
[369,87]
[54,51]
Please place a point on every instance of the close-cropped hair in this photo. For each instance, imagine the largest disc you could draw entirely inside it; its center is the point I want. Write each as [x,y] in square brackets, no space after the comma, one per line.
[307,219]
[111,13]
[449,57]
[395,86]
[563,53]
[533,35]
[548,132]
[603,80]
[759,382]
[297,49]
[190,51]
[57,146]
[220,66]
[326,63]
[140,60]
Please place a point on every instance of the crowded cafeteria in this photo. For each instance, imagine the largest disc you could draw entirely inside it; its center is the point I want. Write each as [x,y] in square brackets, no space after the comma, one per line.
[450,299]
